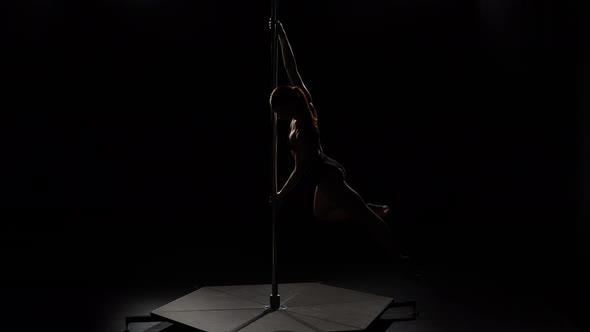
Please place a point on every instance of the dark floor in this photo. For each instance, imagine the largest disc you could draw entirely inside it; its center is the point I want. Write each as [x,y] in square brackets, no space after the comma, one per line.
[449,297]
[89,276]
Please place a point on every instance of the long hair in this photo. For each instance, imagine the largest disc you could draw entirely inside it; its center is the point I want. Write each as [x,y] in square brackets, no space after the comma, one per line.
[290,94]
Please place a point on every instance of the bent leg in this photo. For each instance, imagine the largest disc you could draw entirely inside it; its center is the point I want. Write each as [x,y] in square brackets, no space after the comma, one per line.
[325,211]
[334,194]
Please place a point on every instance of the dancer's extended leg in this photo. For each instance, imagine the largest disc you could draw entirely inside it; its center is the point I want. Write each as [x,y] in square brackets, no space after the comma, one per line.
[335,199]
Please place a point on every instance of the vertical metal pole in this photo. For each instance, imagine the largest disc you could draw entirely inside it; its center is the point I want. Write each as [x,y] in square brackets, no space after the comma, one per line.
[275,299]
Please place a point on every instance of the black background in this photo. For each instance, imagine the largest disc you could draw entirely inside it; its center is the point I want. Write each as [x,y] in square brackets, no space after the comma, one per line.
[130,128]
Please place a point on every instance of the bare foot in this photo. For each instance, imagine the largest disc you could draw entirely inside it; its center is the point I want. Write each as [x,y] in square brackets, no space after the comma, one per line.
[383,211]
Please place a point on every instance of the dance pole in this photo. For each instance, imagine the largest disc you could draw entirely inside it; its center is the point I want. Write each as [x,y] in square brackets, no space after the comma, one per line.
[275,298]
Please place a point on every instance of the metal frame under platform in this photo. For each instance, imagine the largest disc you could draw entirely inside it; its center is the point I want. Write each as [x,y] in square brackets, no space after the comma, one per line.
[307,307]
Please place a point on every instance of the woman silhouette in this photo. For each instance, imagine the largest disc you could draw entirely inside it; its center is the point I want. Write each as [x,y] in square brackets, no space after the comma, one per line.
[334,199]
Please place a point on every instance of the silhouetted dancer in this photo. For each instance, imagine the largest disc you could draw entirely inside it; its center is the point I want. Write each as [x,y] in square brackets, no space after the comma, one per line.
[334,199]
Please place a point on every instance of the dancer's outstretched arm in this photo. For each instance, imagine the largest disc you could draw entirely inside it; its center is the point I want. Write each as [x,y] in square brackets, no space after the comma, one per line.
[291,182]
[289,62]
